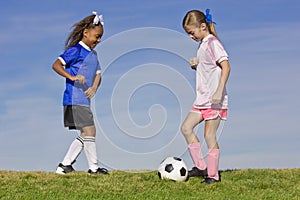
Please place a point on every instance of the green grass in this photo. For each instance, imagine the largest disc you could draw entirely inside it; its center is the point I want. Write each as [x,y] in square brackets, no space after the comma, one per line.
[236,184]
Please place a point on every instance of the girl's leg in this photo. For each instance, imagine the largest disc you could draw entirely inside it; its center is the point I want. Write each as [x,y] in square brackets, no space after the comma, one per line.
[210,130]
[73,152]
[188,125]
[194,146]
[88,133]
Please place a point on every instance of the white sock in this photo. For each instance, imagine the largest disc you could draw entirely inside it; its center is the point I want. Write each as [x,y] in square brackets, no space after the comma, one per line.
[90,152]
[74,151]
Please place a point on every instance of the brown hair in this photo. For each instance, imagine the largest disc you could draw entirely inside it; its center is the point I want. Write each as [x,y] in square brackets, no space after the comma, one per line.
[196,18]
[77,32]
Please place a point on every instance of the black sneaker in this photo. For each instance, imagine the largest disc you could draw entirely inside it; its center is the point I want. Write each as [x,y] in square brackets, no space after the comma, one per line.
[64,169]
[210,181]
[195,172]
[99,171]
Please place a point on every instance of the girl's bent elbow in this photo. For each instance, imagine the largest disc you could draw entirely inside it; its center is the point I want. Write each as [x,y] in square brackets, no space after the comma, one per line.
[56,65]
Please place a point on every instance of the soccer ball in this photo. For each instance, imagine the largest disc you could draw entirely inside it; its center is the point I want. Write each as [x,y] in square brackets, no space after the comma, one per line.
[173,168]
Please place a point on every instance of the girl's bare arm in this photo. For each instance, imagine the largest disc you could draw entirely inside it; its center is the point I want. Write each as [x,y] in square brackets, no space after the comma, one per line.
[59,69]
[217,97]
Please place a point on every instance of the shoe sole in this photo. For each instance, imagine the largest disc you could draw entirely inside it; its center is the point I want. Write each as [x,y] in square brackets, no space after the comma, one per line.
[60,171]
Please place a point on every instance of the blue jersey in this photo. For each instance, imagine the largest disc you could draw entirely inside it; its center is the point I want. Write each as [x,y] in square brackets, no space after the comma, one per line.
[79,59]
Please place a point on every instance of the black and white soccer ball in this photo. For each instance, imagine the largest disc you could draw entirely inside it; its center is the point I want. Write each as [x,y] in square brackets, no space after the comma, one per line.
[173,168]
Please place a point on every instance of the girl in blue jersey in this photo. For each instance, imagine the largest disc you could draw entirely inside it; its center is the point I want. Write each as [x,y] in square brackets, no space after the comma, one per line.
[79,65]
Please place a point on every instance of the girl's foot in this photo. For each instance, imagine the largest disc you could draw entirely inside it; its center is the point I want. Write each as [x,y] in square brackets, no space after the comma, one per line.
[196,172]
[99,171]
[210,181]
[64,169]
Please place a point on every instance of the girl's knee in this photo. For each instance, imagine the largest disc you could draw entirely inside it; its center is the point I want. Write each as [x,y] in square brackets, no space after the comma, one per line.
[186,130]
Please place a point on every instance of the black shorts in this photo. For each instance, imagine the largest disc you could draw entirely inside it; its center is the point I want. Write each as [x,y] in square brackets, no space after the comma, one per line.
[78,117]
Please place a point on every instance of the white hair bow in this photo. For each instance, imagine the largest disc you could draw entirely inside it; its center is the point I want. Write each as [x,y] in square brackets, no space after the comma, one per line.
[98,18]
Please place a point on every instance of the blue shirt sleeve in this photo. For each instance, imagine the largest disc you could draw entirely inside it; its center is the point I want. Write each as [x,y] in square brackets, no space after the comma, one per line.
[98,67]
[70,56]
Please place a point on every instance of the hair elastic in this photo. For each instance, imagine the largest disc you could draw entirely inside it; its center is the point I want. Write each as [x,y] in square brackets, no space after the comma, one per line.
[208,17]
[98,19]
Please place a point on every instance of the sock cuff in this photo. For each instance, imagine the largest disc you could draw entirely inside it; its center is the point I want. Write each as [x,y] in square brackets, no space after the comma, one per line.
[194,145]
[80,139]
[89,139]
[214,151]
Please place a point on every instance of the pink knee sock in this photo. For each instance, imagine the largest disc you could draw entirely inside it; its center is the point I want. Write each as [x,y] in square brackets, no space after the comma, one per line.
[213,163]
[196,154]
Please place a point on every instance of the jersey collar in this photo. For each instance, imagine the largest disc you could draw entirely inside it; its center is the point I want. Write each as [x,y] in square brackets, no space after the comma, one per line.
[85,46]
[207,37]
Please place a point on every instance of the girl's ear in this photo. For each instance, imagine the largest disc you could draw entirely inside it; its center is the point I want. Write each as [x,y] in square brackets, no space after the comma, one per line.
[85,32]
[203,26]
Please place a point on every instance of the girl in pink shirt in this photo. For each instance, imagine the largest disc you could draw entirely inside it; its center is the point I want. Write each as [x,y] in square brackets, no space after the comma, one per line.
[212,71]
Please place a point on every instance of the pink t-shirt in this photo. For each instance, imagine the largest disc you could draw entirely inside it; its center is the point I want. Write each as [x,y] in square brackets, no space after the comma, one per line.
[210,53]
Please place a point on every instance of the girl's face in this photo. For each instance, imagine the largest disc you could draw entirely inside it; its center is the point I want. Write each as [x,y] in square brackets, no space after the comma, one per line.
[92,36]
[196,33]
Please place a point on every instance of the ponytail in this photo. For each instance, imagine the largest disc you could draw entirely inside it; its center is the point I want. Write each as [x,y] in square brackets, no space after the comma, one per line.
[212,30]
[210,24]
[196,18]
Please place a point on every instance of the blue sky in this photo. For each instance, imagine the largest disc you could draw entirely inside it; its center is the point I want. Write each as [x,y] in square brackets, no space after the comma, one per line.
[147,86]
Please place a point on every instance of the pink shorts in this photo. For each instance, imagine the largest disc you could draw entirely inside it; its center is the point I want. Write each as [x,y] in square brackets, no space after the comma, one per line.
[211,113]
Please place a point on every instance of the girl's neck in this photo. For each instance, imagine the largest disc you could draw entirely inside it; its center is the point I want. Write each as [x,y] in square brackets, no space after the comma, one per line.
[205,35]
[84,45]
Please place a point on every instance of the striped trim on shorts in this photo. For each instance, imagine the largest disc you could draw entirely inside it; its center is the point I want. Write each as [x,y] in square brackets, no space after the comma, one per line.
[211,113]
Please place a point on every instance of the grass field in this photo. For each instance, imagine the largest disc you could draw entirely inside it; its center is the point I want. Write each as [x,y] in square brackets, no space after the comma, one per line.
[236,184]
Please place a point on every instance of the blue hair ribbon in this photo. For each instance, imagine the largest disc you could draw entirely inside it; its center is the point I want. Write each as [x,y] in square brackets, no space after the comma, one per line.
[208,17]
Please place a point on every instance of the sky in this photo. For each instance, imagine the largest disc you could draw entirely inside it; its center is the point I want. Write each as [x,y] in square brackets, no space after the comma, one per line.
[147,86]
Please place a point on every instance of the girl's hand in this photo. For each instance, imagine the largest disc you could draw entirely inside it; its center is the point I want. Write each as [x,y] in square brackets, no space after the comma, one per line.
[90,92]
[216,98]
[194,62]
[80,78]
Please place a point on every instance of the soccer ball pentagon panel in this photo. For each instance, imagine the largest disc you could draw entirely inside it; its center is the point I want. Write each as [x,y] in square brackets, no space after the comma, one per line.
[173,168]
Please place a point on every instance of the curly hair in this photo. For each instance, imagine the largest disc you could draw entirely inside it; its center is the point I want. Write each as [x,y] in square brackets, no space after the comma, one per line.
[77,32]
